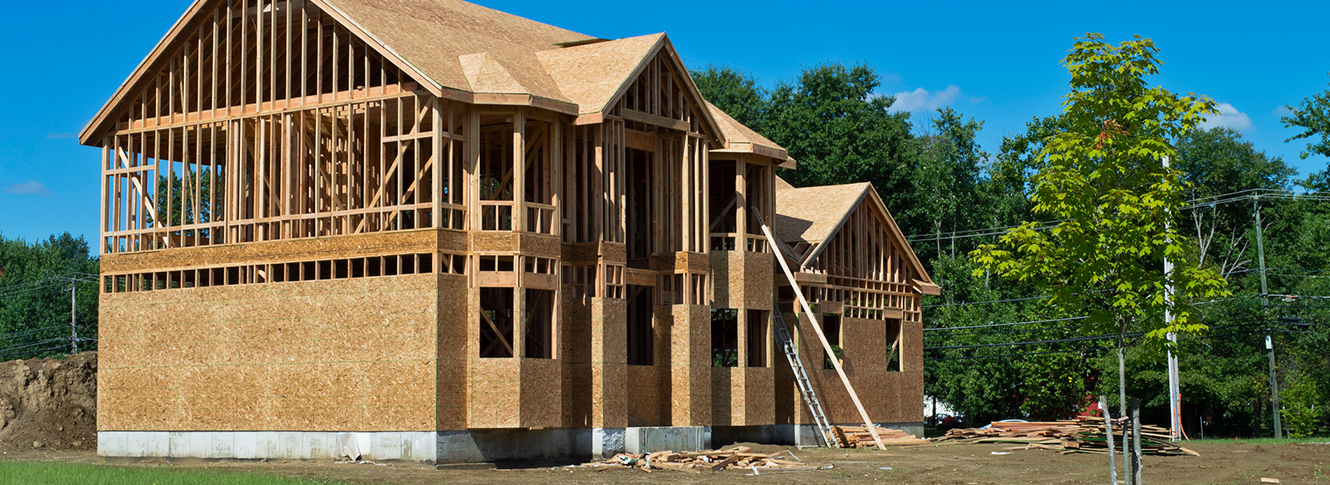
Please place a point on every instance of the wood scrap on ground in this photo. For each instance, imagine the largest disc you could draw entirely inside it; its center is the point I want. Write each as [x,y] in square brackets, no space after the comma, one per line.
[1069,436]
[861,437]
[711,460]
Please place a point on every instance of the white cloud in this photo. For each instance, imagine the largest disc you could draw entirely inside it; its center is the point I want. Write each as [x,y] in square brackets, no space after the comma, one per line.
[922,100]
[31,187]
[1229,117]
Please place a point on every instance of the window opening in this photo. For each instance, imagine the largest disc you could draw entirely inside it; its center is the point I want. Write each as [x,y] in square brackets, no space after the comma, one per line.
[831,327]
[724,337]
[496,322]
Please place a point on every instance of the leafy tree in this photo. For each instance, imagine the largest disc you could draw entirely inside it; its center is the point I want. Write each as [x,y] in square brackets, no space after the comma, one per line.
[1103,179]
[34,295]
[1313,116]
[735,92]
[1217,163]
[840,131]
[946,174]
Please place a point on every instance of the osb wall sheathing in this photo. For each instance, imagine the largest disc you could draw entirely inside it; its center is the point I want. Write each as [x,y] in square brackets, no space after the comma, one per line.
[887,396]
[690,361]
[724,288]
[644,396]
[727,396]
[758,272]
[451,407]
[575,356]
[681,261]
[510,392]
[540,393]
[342,355]
[333,247]
[609,362]
[759,396]
[741,280]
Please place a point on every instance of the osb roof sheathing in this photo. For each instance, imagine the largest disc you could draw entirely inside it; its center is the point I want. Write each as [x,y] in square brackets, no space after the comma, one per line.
[452,45]
[433,35]
[741,138]
[591,74]
[814,215]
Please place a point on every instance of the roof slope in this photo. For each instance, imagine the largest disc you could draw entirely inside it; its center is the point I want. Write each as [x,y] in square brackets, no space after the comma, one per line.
[453,45]
[815,214]
[742,139]
[590,75]
[433,35]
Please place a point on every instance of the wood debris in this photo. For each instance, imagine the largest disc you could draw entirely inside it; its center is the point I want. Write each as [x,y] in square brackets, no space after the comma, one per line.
[710,460]
[1069,436]
[861,437]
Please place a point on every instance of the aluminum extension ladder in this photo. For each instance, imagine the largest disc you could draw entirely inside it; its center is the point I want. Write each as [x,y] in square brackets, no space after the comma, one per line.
[801,378]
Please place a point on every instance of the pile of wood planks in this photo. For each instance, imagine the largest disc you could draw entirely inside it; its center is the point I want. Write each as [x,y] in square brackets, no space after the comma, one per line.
[1071,436]
[700,461]
[861,437]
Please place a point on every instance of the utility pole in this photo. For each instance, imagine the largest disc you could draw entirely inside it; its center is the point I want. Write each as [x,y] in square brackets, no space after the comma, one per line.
[1174,391]
[73,315]
[1265,304]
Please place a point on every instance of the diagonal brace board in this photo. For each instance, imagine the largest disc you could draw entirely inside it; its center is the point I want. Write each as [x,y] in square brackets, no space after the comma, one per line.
[817,327]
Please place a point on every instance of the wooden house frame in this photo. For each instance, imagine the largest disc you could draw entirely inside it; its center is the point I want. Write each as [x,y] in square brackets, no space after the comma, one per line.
[428,231]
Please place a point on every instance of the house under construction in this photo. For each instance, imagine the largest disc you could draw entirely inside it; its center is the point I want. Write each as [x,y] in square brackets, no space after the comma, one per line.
[432,231]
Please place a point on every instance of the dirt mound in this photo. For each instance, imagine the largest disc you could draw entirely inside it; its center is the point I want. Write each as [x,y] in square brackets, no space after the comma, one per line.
[49,403]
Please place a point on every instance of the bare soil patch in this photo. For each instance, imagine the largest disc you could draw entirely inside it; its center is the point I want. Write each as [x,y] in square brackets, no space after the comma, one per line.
[49,403]
[1219,463]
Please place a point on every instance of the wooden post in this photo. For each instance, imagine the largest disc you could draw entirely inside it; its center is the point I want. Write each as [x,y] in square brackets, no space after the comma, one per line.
[1108,433]
[817,328]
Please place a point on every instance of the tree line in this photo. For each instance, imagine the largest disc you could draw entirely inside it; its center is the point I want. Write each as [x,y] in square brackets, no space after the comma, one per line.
[1002,346]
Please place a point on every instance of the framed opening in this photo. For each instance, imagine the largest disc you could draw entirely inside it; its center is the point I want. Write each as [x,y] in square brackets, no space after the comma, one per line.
[831,327]
[724,337]
[758,339]
[496,322]
[894,342]
[539,338]
[641,332]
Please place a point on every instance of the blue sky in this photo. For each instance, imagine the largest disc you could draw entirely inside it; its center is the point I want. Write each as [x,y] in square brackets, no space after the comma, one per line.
[989,60]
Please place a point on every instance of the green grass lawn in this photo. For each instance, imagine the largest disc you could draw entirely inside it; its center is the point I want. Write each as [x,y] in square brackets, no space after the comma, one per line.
[42,473]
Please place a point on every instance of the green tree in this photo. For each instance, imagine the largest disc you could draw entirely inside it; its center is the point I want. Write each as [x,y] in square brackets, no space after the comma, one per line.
[1313,116]
[1103,180]
[840,131]
[945,175]
[34,295]
[735,92]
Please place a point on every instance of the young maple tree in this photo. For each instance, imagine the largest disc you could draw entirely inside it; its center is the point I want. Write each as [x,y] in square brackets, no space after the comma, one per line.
[1102,182]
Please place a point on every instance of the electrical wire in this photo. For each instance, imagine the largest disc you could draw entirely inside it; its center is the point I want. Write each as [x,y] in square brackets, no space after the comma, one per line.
[1068,319]
[1092,349]
[1034,342]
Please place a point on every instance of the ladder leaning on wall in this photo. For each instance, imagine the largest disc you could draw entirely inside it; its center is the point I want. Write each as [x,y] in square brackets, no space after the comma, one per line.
[801,377]
[817,329]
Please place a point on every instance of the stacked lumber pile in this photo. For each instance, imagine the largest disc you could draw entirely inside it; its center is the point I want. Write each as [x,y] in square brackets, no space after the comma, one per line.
[1072,436]
[700,461]
[861,437]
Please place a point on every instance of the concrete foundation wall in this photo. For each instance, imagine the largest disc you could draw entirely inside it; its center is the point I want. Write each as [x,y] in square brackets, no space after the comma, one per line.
[296,445]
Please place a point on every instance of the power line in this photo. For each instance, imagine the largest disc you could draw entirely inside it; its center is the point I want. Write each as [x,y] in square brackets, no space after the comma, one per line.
[1033,342]
[936,305]
[1092,349]
[1005,324]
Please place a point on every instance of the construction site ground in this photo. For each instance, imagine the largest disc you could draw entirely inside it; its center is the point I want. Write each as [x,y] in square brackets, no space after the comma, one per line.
[1219,463]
